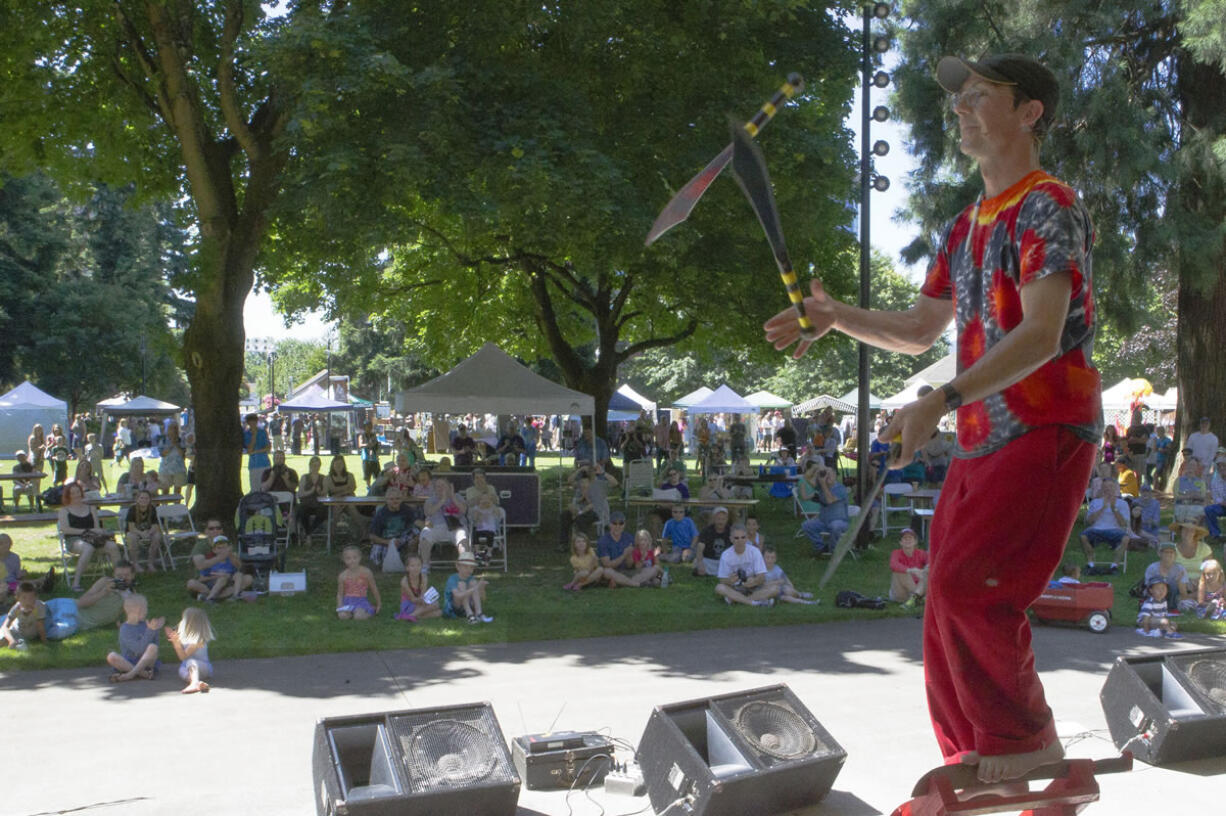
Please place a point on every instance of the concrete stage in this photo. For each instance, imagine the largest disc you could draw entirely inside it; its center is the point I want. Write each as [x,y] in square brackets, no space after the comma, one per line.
[77,744]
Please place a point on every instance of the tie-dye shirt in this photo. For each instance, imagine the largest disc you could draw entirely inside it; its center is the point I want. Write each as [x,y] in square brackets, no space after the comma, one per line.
[1038,227]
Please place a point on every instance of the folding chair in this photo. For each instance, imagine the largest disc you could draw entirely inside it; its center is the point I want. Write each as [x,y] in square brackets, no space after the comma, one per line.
[640,479]
[799,510]
[177,525]
[925,514]
[903,506]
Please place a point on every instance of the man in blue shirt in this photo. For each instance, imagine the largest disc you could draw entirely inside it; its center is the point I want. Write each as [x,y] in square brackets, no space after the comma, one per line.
[614,547]
[832,518]
[392,525]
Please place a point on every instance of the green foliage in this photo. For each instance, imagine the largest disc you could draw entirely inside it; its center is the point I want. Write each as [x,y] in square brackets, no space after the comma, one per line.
[543,140]
[1130,132]
[380,359]
[830,367]
[85,292]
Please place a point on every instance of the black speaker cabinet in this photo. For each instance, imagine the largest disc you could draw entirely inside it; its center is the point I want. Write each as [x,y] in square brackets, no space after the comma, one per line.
[427,762]
[1168,708]
[753,752]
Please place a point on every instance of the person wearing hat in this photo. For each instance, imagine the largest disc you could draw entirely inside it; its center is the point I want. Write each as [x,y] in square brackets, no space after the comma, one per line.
[1178,584]
[1014,270]
[1153,619]
[1204,443]
[1191,549]
[908,570]
[615,550]
[464,593]
[712,541]
[1216,508]
[220,570]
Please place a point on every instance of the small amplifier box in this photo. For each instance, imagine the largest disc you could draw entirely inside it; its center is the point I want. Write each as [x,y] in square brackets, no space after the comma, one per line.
[560,759]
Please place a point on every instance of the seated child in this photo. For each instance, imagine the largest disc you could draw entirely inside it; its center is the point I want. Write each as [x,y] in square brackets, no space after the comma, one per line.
[1070,573]
[418,600]
[24,621]
[644,559]
[908,570]
[352,585]
[1154,618]
[191,643]
[218,565]
[138,643]
[465,593]
[485,518]
[1209,592]
[756,538]
[11,573]
[681,533]
[775,576]
[586,565]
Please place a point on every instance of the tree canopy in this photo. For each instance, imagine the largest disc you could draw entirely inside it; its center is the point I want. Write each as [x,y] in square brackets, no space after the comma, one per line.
[85,292]
[1140,132]
[546,138]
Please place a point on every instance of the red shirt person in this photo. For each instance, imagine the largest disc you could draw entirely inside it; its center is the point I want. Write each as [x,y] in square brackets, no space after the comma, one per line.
[1014,271]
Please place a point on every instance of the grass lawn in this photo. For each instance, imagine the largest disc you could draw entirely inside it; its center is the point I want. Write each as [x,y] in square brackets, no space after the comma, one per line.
[527,602]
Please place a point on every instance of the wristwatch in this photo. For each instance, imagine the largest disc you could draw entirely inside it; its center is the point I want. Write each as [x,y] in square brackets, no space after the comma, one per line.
[952,398]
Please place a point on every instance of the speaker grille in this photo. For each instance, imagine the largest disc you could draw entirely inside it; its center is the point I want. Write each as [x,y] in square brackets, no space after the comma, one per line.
[1207,674]
[774,729]
[458,750]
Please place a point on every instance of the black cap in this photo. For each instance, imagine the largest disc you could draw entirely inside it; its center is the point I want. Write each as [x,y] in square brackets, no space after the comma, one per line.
[1033,78]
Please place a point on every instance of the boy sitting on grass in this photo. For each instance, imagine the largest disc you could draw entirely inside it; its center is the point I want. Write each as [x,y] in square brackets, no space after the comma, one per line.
[776,577]
[682,534]
[465,593]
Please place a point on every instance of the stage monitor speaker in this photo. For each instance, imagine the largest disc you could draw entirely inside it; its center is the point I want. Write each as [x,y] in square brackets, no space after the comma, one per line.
[1168,708]
[758,751]
[414,763]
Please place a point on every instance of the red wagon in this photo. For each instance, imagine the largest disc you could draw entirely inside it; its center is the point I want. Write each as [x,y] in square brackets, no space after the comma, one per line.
[1088,604]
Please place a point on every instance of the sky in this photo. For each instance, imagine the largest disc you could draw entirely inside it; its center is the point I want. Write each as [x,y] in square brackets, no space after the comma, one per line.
[260,319]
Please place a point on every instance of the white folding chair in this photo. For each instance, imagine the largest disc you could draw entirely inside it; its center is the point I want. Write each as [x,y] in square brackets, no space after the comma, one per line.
[899,505]
[639,479]
[925,515]
[177,525]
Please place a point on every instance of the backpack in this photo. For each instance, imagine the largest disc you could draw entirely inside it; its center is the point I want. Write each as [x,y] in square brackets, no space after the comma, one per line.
[849,599]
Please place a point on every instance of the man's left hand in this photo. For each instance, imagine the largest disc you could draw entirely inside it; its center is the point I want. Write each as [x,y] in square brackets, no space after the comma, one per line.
[915,423]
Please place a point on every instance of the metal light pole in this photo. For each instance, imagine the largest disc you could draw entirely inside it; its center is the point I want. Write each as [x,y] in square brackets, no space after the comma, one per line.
[869,181]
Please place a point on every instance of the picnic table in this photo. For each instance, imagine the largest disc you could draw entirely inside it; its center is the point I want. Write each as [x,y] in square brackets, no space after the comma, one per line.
[24,477]
[332,502]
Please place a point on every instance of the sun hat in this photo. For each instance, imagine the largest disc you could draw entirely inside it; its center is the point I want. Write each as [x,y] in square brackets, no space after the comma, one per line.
[467,558]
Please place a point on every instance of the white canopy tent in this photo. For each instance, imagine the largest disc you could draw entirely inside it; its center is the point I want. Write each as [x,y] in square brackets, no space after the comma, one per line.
[313,399]
[823,401]
[24,407]
[937,374]
[909,394]
[693,397]
[765,399]
[852,397]
[142,406]
[626,391]
[723,400]
[493,382]
[1119,397]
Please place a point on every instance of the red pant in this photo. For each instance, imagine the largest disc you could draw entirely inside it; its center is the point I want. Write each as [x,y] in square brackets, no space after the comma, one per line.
[1000,530]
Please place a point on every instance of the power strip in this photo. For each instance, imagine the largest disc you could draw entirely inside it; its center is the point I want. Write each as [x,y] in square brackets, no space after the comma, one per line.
[625,779]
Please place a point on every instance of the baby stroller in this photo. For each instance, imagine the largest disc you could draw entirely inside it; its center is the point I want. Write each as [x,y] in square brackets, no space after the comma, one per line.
[260,525]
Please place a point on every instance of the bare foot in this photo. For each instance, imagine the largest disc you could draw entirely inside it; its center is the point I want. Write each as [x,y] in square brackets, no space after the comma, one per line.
[145,674]
[193,688]
[204,689]
[1003,767]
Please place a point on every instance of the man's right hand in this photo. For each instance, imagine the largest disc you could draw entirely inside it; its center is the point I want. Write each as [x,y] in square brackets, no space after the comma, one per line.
[783,329]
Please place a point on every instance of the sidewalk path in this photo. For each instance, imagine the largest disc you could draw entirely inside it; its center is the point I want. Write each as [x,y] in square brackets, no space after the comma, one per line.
[77,744]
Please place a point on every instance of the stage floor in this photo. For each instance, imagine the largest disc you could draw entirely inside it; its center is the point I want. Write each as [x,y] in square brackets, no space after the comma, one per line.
[79,744]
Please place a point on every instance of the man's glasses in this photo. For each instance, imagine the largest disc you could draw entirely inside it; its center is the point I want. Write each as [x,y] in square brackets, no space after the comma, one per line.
[968,99]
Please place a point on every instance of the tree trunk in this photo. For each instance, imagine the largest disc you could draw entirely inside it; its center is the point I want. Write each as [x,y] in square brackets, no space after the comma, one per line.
[213,352]
[1201,332]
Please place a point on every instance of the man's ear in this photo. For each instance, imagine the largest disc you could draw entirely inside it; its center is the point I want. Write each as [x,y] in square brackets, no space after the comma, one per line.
[1032,111]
